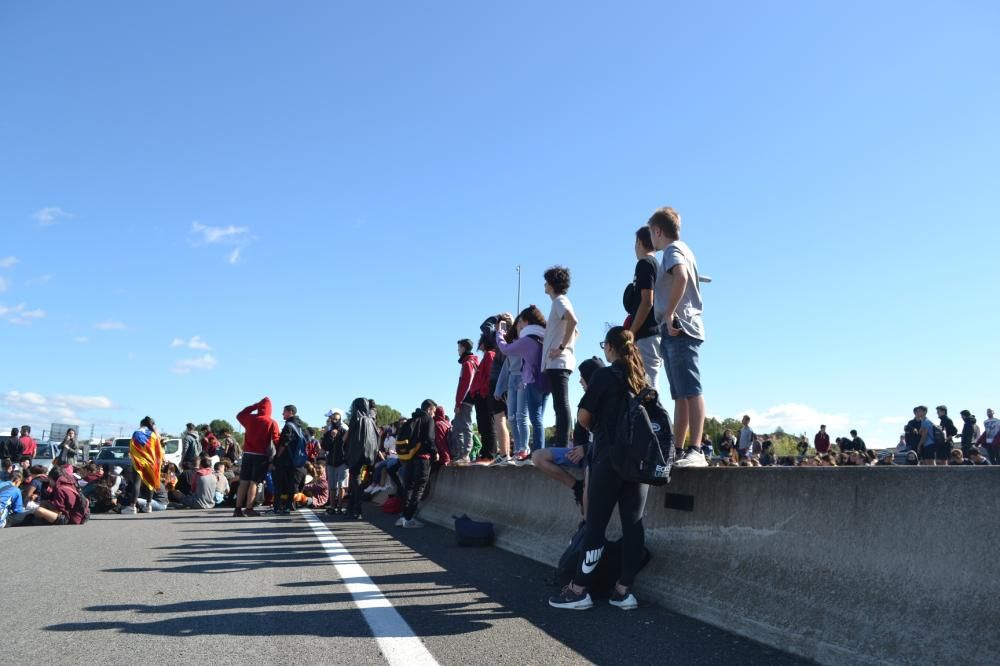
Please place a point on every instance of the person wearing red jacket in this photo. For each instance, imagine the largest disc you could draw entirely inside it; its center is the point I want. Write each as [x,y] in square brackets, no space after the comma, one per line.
[480,393]
[463,401]
[261,433]
[822,441]
[442,431]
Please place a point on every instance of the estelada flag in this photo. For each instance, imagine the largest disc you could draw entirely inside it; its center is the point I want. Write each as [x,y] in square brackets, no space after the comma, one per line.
[147,456]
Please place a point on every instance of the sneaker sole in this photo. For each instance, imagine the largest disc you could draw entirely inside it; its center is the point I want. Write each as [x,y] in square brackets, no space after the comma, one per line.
[624,607]
[568,607]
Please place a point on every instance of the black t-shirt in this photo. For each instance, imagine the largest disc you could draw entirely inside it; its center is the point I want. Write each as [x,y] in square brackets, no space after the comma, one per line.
[607,400]
[645,278]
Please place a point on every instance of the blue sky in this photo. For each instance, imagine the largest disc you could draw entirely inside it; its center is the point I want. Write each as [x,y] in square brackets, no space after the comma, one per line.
[201,204]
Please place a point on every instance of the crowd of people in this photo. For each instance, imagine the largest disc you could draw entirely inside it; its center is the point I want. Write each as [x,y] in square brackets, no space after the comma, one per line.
[505,380]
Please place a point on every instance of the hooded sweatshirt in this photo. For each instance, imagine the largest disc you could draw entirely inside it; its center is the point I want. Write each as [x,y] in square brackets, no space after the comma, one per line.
[288,440]
[481,382]
[528,347]
[66,499]
[261,429]
[470,365]
[362,435]
[441,429]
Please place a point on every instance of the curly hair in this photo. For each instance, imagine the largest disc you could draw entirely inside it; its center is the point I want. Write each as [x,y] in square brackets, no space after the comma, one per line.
[558,279]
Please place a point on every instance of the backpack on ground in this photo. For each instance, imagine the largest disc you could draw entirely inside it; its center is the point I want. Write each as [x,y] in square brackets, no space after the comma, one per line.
[298,451]
[392,504]
[470,532]
[608,570]
[406,444]
[643,450]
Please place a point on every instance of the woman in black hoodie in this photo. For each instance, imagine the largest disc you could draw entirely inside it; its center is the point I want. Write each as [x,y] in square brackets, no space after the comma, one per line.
[362,443]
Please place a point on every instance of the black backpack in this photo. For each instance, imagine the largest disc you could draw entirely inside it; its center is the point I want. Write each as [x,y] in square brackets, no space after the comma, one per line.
[609,568]
[407,445]
[643,449]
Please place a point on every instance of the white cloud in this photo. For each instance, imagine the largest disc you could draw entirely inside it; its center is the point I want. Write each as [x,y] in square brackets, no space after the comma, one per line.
[233,257]
[7,262]
[81,339]
[893,420]
[20,314]
[28,407]
[230,234]
[4,284]
[84,401]
[795,418]
[109,325]
[49,216]
[194,343]
[41,279]
[185,366]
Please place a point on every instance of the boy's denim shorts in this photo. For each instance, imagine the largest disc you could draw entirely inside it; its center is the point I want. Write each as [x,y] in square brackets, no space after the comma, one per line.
[680,359]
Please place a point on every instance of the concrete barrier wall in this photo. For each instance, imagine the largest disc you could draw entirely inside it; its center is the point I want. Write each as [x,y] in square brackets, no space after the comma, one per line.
[843,566]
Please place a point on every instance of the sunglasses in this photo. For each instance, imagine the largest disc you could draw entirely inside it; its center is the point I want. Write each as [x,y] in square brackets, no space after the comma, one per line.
[602,344]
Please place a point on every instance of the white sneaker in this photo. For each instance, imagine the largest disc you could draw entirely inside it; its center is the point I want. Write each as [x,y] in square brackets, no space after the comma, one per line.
[401,522]
[693,458]
[628,602]
[412,524]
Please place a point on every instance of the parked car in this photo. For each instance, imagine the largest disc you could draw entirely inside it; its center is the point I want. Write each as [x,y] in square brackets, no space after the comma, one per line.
[171,451]
[45,454]
[114,455]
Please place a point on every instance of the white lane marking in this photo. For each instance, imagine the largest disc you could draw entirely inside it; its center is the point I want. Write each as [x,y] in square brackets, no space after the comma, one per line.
[399,645]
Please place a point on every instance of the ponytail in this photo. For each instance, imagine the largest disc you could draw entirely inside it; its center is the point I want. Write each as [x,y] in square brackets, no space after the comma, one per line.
[623,342]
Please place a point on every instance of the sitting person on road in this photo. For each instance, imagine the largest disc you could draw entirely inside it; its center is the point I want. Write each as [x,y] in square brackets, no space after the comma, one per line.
[601,411]
[63,503]
[202,495]
[11,500]
[316,493]
[221,483]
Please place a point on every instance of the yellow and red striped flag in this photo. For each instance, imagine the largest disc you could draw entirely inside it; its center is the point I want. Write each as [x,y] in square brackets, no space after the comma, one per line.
[147,456]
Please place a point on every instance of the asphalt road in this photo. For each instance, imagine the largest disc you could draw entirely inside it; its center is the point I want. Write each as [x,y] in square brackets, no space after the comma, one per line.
[203,587]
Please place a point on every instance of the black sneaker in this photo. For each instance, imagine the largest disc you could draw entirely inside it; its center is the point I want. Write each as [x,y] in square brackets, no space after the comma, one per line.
[578,493]
[570,600]
[238,513]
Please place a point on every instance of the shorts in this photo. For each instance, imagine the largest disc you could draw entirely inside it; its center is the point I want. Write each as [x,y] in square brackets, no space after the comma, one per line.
[253,467]
[336,476]
[680,359]
[943,452]
[559,457]
[497,406]
[928,452]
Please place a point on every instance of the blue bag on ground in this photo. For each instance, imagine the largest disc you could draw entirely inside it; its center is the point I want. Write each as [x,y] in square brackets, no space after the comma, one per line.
[469,532]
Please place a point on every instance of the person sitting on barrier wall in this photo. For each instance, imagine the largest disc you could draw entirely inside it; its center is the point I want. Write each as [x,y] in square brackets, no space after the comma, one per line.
[600,411]
[553,460]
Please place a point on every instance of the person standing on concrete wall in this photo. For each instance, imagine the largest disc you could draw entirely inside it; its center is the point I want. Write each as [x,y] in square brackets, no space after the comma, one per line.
[746,438]
[462,424]
[926,447]
[639,304]
[678,307]
[990,439]
[558,356]
[822,441]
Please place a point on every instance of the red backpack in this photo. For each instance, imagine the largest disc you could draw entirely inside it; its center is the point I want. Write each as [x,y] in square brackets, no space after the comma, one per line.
[392,505]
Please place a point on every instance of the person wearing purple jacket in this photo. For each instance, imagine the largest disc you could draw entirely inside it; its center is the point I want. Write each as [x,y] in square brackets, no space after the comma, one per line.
[531,394]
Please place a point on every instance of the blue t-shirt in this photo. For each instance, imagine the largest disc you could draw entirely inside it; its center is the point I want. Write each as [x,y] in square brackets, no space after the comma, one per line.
[10,501]
[926,423]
